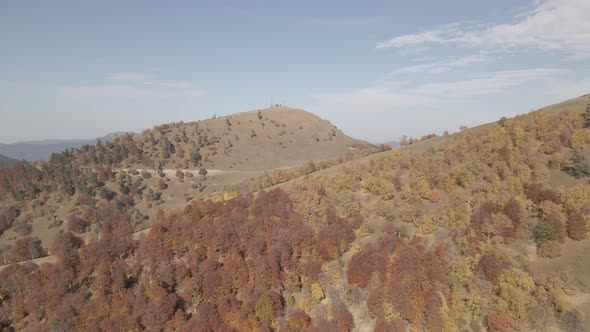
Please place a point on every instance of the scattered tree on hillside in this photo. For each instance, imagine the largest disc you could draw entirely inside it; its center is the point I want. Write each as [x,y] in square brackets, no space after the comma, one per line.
[578,167]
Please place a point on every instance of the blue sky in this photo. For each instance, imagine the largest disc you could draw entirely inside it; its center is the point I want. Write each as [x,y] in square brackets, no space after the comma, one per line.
[376,69]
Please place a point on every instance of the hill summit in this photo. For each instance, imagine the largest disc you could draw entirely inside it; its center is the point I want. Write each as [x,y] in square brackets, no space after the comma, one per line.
[265,139]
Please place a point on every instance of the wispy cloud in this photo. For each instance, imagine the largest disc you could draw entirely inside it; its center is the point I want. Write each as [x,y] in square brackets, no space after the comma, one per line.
[129,77]
[552,25]
[439,67]
[131,85]
[123,91]
[330,21]
[398,95]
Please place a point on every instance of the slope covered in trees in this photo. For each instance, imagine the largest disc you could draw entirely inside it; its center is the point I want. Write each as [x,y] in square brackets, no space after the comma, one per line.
[437,239]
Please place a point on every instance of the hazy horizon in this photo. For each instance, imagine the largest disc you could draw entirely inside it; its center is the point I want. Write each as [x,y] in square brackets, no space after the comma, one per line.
[377,71]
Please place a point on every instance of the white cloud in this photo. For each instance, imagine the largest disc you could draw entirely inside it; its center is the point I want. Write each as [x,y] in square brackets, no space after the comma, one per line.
[552,25]
[443,66]
[396,95]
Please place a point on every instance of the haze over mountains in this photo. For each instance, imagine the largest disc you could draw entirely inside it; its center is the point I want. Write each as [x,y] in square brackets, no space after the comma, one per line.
[41,150]
[6,160]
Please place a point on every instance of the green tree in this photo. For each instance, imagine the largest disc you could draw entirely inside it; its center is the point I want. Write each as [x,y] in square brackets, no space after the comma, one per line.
[578,167]
[544,232]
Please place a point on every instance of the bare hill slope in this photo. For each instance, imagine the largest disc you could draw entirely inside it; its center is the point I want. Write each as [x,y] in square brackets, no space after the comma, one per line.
[257,140]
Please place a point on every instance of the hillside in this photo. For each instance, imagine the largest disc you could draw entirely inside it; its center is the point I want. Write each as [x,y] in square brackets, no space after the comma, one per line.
[154,166]
[41,150]
[267,139]
[463,232]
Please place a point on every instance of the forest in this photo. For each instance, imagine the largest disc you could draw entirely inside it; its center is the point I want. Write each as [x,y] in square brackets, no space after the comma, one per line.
[436,239]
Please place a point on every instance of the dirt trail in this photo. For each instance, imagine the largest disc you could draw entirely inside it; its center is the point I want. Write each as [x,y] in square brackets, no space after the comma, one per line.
[38,261]
[171,173]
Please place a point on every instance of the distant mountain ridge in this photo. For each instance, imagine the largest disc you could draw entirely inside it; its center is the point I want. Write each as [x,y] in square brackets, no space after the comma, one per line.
[6,160]
[42,149]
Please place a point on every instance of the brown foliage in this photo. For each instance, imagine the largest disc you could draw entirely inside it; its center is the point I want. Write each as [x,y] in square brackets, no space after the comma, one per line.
[362,266]
[577,228]
[499,322]
[162,185]
[299,320]
[549,249]
[491,267]
[25,248]
[77,225]
[537,194]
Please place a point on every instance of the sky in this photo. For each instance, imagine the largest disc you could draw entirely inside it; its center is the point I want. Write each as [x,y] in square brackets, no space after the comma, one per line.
[375,69]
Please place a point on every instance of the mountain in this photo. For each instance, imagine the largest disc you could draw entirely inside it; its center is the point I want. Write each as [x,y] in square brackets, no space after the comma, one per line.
[481,230]
[258,140]
[42,149]
[6,160]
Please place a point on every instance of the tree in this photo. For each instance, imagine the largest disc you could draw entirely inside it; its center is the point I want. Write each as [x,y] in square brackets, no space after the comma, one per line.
[544,232]
[549,249]
[499,322]
[299,320]
[578,167]
[403,141]
[77,225]
[264,309]
[491,267]
[576,227]
[25,249]
[195,155]
[361,267]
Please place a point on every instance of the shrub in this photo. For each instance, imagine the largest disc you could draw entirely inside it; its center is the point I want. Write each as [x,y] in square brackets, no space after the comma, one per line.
[162,185]
[146,174]
[179,174]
